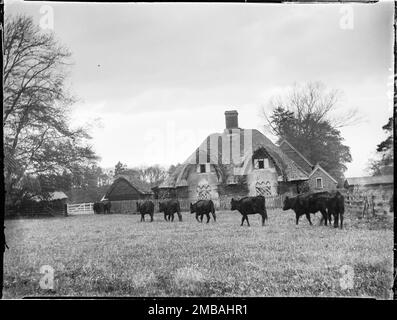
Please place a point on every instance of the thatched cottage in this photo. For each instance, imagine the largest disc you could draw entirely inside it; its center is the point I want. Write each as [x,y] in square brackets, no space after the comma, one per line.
[242,162]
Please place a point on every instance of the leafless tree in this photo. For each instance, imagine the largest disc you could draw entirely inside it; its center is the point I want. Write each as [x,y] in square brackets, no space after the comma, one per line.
[152,175]
[312,103]
[307,117]
[37,135]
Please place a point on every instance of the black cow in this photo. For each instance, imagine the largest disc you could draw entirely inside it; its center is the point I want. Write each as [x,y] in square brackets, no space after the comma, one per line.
[336,208]
[250,205]
[146,207]
[106,207]
[329,204]
[98,207]
[203,207]
[169,208]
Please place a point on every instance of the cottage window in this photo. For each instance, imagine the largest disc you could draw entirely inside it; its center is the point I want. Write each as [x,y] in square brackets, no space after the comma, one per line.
[319,183]
[202,168]
[261,163]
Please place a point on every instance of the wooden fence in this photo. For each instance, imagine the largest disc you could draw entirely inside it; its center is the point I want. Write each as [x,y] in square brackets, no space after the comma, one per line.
[35,210]
[80,208]
[368,202]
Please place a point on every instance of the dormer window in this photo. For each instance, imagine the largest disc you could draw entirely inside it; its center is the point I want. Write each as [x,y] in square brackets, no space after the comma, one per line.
[261,163]
[203,168]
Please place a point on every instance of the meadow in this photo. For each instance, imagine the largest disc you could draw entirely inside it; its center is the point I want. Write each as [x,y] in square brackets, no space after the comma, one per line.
[117,255]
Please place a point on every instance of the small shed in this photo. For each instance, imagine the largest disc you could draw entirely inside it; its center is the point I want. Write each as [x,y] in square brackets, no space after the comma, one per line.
[378,191]
[54,197]
[122,189]
[52,203]
[371,182]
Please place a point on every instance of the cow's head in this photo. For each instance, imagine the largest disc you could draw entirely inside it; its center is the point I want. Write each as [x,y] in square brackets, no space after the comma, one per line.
[192,208]
[138,206]
[233,204]
[288,203]
[161,207]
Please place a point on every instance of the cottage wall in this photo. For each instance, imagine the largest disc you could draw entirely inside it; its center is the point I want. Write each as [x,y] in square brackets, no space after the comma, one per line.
[262,182]
[328,184]
[203,185]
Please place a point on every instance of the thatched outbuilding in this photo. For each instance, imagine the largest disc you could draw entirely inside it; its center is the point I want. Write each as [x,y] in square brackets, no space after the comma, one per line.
[123,189]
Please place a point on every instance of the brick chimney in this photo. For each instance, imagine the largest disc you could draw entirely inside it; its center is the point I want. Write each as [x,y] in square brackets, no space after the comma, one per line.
[231,118]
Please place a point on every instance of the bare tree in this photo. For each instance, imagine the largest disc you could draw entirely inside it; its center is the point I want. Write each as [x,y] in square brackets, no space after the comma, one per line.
[152,175]
[306,117]
[37,135]
[312,103]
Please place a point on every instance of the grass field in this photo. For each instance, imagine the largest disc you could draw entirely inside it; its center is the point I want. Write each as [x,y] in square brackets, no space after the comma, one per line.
[102,255]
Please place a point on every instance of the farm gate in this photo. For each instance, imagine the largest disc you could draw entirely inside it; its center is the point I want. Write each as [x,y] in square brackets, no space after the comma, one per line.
[80,208]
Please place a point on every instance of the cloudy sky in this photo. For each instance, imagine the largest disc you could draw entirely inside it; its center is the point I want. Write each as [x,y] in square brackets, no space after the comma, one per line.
[153,80]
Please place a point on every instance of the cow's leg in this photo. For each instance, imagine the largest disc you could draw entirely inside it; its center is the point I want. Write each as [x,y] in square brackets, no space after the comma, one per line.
[336,220]
[214,216]
[324,217]
[201,218]
[308,218]
[242,220]
[208,217]
[179,216]
[297,218]
[341,220]
[246,218]
[172,217]
[151,217]
[263,219]
[142,219]
[197,217]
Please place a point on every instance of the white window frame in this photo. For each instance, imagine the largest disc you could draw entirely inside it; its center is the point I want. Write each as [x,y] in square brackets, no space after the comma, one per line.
[199,168]
[321,182]
[265,163]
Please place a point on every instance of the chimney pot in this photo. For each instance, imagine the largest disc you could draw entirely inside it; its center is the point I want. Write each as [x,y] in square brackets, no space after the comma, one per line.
[231,118]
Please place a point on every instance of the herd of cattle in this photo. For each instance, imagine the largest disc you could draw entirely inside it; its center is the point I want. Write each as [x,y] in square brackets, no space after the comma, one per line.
[329,204]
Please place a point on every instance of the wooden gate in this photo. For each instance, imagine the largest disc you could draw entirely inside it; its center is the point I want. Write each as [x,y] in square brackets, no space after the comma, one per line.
[80,208]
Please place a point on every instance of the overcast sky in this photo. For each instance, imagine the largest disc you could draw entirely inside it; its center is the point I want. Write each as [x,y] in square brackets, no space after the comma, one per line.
[155,79]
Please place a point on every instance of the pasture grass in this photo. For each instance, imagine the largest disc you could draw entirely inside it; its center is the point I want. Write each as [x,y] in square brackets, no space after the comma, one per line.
[117,255]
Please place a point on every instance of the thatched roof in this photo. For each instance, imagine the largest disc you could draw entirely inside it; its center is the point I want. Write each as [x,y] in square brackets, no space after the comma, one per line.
[136,183]
[240,145]
[290,170]
[52,196]
[123,189]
